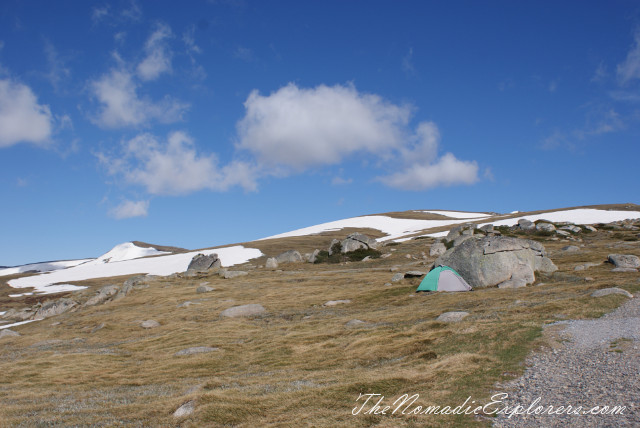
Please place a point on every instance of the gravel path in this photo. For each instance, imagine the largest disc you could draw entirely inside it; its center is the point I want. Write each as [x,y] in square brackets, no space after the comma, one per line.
[597,365]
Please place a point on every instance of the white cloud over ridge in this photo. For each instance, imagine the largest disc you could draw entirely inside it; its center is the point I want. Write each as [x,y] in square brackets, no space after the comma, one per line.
[175,168]
[294,129]
[121,106]
[130,209]
[22,119]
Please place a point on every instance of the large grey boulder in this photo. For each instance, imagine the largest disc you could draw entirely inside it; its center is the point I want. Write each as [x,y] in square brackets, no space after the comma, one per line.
[494,260]
[202,263]
[625,261]
[243,311]
[104,294]
[545,227]
[526,225]
[487,228]
[437,249]
[571,228]
[291,256]
[356,241]
[55,307]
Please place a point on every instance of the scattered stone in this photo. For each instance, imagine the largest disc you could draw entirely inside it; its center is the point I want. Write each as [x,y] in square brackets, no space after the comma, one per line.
[545,227]
[136,282]
[354,323]
[314,256]
[202,263]
[195,350]
[271,263]
[624,270]
[149,324]
[571,228]
[387,284]
[625,260]
[563,233]
[23,314]
[291,256]
[337,302]
[229,274]
[488,228]
[356,241]
[612,290]
[492,260]
[56,307]
[437,249]
[588,279]
[9,333]
[98,327]
[185,410]
[585,266]
[397,277]
[186,304]
[591,228]
[243,311]
[104,294]
[570,249]
[414,274]
[452,316]
[204,289]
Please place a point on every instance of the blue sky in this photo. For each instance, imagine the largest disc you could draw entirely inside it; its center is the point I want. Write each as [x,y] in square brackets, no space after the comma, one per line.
[203,123]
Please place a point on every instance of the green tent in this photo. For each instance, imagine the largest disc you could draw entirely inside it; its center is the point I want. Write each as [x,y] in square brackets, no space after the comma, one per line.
[443,278]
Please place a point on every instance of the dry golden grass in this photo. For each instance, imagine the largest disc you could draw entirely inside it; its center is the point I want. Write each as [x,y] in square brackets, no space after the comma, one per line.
[299,365]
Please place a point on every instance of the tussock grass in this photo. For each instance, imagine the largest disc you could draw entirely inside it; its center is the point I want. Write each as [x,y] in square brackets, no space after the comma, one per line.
[299,364]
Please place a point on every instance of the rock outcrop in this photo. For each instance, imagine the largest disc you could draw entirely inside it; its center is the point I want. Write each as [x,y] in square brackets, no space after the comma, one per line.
[627,261]
[498,261]
[202,263]
[243,311]
[55,307]
[356,241]
[291,256]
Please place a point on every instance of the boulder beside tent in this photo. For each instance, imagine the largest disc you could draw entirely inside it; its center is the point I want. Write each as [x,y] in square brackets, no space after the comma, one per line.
[443,278]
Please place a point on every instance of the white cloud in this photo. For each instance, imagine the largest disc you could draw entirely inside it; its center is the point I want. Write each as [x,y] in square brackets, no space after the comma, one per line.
[22,119]
[188,37]
[300,128]
[339,181]
[175,168]
[99,13]
[58,71]
[629,69]
[245,54]
[133,12]
[407,63]
[158,59]
[129,209]
[121,106]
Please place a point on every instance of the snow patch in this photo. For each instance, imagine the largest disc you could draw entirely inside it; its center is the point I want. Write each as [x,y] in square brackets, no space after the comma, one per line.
[577,216]
[42,267]
[127,251]
[15,324]
[458,214]
[161,265]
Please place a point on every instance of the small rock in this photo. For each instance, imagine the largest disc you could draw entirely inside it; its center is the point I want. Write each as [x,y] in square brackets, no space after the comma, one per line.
[585,266]
[314,256]
[185,410]
[397,277]
[414,274]
[562,233]
[591,228]
[588,279]
[612,290]
[570,249]
[56,307]
[354,323]
[186,304]
[195,350]
[243,311]
[452,316]
[571,228]
[625,260]
[98,327]
[336,302]
[408,256]
[624,270]
[149,324]
[525,224]
[545,227]
[104,294]
[9,333]
[388,284]
[229,274]
[271,263]
[204,289]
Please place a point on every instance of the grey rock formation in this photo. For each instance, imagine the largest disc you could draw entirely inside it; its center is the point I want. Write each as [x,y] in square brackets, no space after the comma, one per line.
[355,323]
[570,249]
[204,289]
[202,263]
[397,277]
[8,333]
[104,294]
[488,228]
[452,316]
[56,307]
[195,350]
[625,261]
[291,256]
[585,266]
[414,274]
[545,227]
[356,241]
[314,256]
[460,239]
[23,314]
[229,274]
[185,410]
[590,228]
[609,291]
[492,260]
[526,225]
[624,270]
[271,263]
[563,233]
[571,228]
[437,249]
[243,311]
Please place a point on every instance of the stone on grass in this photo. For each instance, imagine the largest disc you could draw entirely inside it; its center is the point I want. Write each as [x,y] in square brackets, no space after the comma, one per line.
[291,256]
[525,224]
[243,311]
[590,228]
[624,270]
[204,289]
[195,350]
[229,274]
[337,302]
[149,324]
[570,249]
[625,260]
[314,256]
[571,228]
[55,307]
[202,263]
[612,290]
[562,233]
[437,249]
[9,333]
[271,263]
[414,274]
[356,241]
[185,410]
[104,294]
[354,323]
[585,266]
[545,227]
[452,316]
[397,277]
